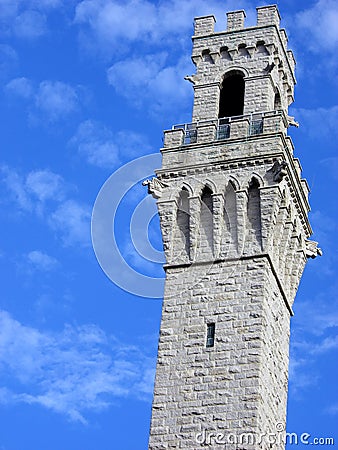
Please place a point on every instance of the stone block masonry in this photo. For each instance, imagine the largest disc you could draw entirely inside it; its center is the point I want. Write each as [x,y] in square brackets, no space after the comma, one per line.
[234,219]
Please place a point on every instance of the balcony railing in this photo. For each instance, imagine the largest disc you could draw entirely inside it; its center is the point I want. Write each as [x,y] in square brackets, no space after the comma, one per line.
[223,126]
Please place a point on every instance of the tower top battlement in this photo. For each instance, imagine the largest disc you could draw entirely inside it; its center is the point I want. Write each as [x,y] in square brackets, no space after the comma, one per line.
[266,15]
[240,45]
[259,53]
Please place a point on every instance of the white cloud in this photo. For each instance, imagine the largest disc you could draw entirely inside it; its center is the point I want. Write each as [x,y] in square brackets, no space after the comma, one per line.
[71,220]
[150,80]
[318,123]
[77,370]
[45,193]
[46,185]
[103,148]
[331,165]
[55,99]
[26,18]
[31,191]
[313,21]
[50,101]
[30,24]
[41,261]
[21,87]
[8,60]
[16,187]
[114,23]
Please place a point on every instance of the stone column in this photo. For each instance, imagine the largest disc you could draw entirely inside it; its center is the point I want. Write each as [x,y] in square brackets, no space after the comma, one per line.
[167,211]
[194,211]
[217,208]
[241,209]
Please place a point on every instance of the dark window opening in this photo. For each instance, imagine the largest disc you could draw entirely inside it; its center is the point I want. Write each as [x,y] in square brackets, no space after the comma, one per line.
[206,197]
[277,103]
[206,56]
[183,221]
[261,49]
[232,96]
[210,335]
[225,53]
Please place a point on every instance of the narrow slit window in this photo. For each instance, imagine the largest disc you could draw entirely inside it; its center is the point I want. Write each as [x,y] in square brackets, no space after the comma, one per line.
[210,335]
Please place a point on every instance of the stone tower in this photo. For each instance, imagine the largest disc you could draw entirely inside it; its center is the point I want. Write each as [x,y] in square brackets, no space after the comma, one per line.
[233,211]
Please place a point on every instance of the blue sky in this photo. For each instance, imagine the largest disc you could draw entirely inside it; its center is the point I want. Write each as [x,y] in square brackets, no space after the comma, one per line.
[86,87]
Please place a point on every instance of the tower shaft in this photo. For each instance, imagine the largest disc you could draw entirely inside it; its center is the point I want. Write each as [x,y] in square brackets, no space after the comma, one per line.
[233,211]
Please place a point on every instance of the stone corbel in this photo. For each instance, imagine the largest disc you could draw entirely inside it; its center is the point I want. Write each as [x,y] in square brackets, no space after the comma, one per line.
[215,56]
[279,170]
[232,52]
[251,50]
[312,250]
[155,187]
[196,59]
[270,48]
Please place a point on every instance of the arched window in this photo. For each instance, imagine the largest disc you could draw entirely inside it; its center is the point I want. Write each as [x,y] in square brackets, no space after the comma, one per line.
[230,213]
[232,95]
[254,232]
[277,102]
[183,223]
[206,228]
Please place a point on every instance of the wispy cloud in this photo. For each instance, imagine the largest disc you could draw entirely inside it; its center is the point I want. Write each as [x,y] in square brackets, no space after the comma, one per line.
[30,25]
[103,148]
[27,19]
[77,370]
[71,220]
[323,15]
[318,123]
[45,185]
[46,194]
[151,80]
[56,99]
[110,22]
[41,261]
[8,60]
[48,101]
[31,191]
[20,87]
[16,189]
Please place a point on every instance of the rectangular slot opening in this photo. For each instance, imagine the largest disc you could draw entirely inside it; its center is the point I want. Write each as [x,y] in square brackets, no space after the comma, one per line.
[210,335]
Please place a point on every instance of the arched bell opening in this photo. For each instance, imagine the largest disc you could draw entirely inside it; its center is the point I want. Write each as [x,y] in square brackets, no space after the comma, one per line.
[232,95]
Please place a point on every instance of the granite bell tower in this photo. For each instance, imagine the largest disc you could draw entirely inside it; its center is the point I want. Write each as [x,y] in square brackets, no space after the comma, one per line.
[233,210]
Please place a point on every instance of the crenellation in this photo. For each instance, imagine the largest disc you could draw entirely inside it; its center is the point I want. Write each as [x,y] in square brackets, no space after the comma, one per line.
[268,15]
[204,25]
[235,20]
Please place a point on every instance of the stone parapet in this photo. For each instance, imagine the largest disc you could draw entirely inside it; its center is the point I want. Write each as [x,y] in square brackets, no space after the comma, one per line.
[274,122]
[268,15]
[239,128]
[235,20]
[204,25]
[173,138]
[206,132]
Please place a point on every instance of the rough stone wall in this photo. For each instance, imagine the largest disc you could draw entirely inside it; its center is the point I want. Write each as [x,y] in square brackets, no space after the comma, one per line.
[233,212]
[234,387]
[260,52]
